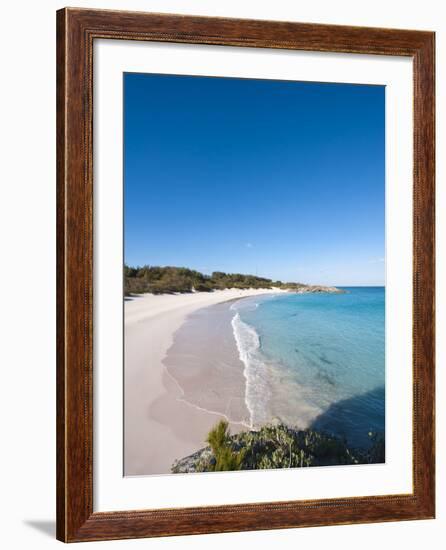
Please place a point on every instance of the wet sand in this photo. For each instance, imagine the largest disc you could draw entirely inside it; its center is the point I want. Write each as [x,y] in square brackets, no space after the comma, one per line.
[160,423]
[205,362]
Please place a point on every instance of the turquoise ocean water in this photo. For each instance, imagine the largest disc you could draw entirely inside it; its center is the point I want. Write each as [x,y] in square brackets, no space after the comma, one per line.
[315,360]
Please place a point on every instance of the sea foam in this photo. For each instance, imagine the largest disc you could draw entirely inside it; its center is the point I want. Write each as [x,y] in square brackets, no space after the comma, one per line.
[257,393]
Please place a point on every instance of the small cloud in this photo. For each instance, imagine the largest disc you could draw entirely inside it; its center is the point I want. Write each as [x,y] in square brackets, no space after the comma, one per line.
[249,245]
[377,261]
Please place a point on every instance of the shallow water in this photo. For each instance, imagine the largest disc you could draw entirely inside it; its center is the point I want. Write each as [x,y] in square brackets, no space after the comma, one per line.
[308,360]
[316,360]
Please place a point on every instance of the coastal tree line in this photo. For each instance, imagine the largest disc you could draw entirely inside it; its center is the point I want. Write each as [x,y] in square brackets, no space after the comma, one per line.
[169,279]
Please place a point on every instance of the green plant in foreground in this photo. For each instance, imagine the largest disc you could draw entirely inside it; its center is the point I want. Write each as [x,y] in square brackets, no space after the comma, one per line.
[226,459]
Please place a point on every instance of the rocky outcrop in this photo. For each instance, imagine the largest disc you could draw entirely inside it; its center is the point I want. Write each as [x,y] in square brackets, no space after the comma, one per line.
[316,289]
[300,288]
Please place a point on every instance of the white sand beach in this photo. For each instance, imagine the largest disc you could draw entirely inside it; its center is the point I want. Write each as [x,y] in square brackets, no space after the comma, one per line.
[159,425]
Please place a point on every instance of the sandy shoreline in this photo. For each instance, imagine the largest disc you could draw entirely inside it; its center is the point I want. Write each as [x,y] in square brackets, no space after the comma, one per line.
[159,426]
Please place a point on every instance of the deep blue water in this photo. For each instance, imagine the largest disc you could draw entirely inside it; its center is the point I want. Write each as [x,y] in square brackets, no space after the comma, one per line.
[316,360]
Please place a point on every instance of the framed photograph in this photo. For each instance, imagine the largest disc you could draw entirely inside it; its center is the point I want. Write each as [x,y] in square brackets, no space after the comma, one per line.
[245,275]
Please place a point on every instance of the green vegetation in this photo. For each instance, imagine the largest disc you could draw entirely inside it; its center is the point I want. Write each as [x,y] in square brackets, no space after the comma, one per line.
[225,457]
[165,280]
[276,447]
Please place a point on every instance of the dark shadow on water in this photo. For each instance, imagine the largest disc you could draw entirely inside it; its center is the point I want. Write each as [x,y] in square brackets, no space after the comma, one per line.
[45,526]
[353,418]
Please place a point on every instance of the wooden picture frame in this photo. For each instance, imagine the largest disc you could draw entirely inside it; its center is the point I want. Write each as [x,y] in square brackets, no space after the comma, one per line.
[76,31]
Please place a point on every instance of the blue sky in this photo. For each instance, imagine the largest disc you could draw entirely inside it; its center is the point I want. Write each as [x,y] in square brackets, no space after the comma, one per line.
[281,179]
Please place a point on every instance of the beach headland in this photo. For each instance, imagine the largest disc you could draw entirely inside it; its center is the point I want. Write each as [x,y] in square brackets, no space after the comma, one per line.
[160,425]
